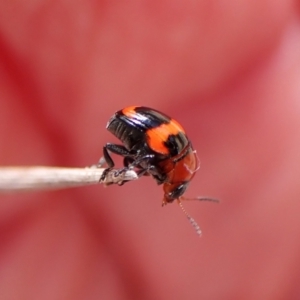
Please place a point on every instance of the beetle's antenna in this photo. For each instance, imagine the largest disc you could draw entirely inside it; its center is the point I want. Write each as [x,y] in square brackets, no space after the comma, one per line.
[191,220]
[202,199]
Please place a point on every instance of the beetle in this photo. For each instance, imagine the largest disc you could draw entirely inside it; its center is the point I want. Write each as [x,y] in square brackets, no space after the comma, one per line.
[155,145]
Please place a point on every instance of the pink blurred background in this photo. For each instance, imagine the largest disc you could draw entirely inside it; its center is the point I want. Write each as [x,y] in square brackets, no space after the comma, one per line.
[228,71]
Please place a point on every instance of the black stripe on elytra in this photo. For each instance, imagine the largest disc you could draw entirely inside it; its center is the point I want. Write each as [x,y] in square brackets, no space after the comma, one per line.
[176,143]
[145,118]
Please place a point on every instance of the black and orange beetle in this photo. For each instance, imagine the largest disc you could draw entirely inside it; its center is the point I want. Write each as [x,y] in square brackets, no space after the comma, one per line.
[157,145]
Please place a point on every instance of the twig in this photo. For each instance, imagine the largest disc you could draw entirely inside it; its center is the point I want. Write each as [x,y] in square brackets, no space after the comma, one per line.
[39,178]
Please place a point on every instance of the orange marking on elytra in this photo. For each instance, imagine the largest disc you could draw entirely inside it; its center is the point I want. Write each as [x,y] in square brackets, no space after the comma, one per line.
[129,111]
[159,135]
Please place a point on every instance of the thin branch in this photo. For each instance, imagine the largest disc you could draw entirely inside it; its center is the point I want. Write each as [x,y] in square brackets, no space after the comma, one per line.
[45,178]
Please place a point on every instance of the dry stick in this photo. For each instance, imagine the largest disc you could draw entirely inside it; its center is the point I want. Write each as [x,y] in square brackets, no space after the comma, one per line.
[14,179]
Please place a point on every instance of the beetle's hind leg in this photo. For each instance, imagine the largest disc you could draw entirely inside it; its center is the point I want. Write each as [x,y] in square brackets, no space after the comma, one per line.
[130,163]
[106,158]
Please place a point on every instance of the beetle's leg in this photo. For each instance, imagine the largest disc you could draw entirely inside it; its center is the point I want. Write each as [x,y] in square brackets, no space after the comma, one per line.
[127,161]
[159,179]
[140,173]
[106,158]
[149,170]
[130,163]
[117,149]
[145,158]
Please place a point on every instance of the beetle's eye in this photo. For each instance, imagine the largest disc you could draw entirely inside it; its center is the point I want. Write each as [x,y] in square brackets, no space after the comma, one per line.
[178,191]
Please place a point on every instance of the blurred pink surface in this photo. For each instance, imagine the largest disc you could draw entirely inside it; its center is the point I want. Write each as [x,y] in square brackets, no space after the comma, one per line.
[228,71]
